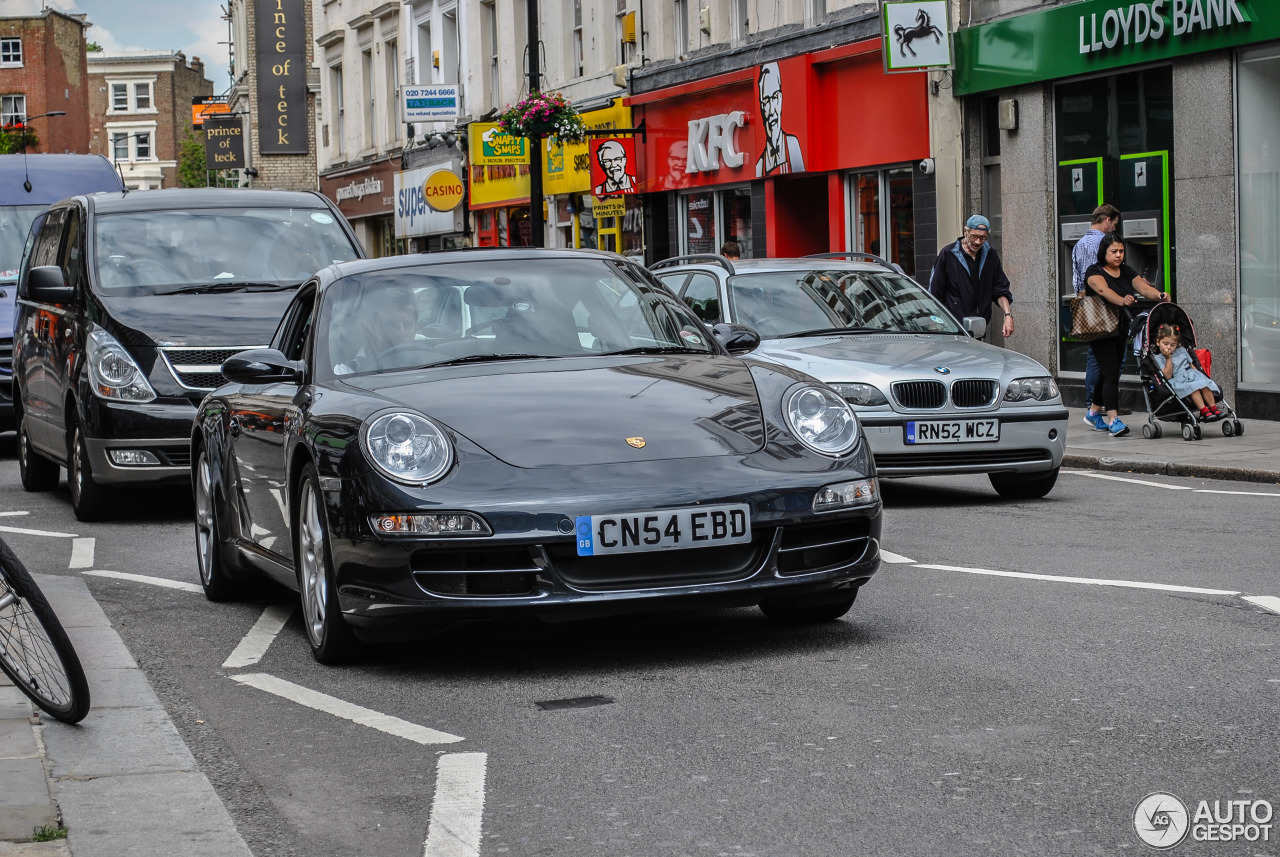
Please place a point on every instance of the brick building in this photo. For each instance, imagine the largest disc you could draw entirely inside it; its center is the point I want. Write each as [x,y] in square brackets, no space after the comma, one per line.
[42,69]
[140,112]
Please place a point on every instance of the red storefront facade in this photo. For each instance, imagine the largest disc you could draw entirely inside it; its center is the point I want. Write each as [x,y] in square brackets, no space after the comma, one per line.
[805,154]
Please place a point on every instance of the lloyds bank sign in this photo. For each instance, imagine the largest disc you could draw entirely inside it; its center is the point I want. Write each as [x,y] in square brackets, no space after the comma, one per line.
[1098,35]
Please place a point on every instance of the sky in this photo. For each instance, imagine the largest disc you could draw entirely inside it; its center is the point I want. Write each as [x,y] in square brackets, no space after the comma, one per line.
[194,27]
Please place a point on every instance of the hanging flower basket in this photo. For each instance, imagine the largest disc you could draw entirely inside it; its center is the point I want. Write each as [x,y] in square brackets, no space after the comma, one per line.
[14,137]
[546,115]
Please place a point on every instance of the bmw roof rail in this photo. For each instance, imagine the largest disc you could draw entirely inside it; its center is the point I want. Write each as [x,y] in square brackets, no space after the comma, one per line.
[712,258]
[854,254]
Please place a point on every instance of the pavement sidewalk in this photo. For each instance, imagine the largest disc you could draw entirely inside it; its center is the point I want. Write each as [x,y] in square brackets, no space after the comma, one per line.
[123,781]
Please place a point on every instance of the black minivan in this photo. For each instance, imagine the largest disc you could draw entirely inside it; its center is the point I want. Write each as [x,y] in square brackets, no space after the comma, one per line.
[128,304]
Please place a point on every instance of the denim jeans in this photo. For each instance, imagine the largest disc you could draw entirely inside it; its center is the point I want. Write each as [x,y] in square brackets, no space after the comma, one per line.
[1090,378]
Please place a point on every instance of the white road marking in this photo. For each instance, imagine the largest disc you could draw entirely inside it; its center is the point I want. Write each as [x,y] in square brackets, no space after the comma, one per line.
[1241,493]
[255,643]
[1054,578]
[279,495]
[12,514]
[894,557]
[154,581]
[1266,602]
[82,553]
[458,807]
[346,710]
[25,532]
[1126,479]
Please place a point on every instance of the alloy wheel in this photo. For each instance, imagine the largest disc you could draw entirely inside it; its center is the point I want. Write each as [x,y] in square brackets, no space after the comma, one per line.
[311,556]
[204,520]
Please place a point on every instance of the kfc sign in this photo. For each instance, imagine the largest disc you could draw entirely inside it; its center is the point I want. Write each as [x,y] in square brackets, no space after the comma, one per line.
[712,141]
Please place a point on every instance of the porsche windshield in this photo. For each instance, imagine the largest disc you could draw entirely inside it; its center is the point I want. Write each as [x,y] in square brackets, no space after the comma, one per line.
[508,309]
[155,252]
[792,303]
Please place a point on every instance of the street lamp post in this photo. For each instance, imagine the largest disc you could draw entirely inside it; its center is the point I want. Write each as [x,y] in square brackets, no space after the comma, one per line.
[536,230]
[26,182]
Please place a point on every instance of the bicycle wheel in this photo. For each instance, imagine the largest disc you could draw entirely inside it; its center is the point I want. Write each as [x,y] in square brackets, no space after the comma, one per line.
[35,651]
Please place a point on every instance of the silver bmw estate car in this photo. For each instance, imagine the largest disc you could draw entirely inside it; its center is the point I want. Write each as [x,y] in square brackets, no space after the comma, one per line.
[931,397]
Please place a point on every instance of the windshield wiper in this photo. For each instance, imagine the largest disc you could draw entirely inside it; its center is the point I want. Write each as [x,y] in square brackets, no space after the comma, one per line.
[486,358]
[826,331]
[655,349]
[221,288]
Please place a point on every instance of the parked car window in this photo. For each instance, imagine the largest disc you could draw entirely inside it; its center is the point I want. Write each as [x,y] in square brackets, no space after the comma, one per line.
[73,249]
[153,252]
[784,303]
[703,297]
[433,314]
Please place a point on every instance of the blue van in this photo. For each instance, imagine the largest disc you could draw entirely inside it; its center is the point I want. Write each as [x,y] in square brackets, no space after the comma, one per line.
[28,185]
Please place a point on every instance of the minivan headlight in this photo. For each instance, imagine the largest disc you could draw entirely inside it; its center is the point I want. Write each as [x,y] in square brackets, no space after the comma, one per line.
[822,420]
[1042,389]
[407,447]
[113,373]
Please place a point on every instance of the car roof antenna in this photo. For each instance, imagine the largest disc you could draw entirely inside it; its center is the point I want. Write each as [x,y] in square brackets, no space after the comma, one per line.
[124,187]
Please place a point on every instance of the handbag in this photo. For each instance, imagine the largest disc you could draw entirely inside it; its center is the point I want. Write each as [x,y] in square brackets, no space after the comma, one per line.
[1093,318]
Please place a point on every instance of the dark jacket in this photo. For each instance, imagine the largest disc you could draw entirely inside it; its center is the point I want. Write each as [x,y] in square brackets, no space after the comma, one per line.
[951,283]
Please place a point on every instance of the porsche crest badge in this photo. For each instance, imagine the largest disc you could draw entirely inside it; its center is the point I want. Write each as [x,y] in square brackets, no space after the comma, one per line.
[637,442]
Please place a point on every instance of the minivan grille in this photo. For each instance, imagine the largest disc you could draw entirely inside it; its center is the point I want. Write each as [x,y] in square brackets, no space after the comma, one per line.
[974,394]
[920,394]
[200,368]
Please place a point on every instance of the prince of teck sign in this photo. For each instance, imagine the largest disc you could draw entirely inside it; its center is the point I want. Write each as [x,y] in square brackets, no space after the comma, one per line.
[281,31]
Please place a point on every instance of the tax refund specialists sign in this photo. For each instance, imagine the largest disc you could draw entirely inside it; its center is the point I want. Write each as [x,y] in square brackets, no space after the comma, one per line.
[1099,35]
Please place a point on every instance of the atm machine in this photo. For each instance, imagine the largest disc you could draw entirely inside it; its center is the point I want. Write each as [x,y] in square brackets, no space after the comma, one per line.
[1144,195]
[1079,193]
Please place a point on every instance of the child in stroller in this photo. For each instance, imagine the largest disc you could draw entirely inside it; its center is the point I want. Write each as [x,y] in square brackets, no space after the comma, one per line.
[1172,374]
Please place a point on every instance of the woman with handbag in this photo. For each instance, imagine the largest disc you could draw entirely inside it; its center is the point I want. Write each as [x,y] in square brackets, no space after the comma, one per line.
[1113,281]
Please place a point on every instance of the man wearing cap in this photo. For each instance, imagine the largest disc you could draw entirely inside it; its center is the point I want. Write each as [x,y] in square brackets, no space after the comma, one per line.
[968,276]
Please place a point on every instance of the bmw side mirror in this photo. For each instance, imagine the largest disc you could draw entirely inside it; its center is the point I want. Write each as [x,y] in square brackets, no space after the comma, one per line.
[737,339]
[975,325]
[262,366]
[45,285]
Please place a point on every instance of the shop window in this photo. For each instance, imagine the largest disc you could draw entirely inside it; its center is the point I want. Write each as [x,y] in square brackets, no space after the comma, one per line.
[882,217]
[902,219]
[700,222]
[1258,118]
[736,217]
[713,217]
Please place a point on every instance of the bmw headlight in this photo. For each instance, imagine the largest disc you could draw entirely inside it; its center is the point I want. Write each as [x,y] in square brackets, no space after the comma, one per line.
[408,447]
[822,420]
[864,395]
[112,371]
[1041,389]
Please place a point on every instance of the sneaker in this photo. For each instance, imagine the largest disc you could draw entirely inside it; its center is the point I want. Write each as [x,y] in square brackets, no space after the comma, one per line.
[1095,421]
[1118,428]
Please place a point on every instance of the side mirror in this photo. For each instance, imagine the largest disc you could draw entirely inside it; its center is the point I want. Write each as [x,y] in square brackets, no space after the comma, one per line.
[262,366]
[737,339]
[976,325]
[45,285]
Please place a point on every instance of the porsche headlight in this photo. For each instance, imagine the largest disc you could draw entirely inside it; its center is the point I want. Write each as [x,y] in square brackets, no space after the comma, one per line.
[1042,389]
[865,395]
[822,420]
[113,374]
[408,447]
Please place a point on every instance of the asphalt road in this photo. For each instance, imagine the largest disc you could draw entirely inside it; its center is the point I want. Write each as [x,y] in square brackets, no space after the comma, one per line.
[953,711]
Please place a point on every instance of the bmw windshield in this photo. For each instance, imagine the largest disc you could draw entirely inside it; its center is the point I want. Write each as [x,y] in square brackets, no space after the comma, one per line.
[215,249]
[808,302]
[483,311]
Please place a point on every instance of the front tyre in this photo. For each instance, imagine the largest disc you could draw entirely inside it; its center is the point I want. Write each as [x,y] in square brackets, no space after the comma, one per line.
[90,500]
[1024,486]
[330,637]
[794,610]
[213,570]
[38,473]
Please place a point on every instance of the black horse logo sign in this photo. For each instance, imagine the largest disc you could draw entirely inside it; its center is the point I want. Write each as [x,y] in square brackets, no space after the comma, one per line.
[924,27]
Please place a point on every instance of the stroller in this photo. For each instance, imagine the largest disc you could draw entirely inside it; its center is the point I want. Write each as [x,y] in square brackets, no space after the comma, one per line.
[1162,404]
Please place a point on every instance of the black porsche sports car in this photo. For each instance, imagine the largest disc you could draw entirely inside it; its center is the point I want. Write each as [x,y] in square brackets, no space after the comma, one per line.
[462,435]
